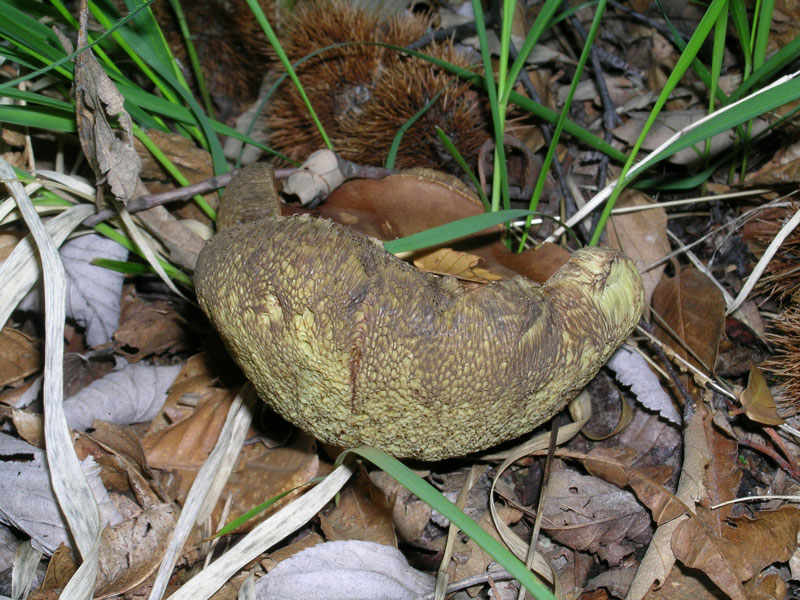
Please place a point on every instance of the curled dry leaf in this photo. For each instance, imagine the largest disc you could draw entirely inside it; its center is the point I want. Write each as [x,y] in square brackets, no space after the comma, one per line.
[132,550]
[97,100]
[757,400]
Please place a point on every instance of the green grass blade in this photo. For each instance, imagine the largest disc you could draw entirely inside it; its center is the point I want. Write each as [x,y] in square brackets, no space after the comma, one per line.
[761,36]
[431,496]
[194,60]
[543,19]
[739,17]
[780,60]
[453,231]
[562,119]
[500,180]
[686,59]
[464,166]
[39,117]
[782,92]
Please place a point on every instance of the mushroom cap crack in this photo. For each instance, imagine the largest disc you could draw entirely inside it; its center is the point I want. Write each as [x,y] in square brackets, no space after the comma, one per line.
[357,347]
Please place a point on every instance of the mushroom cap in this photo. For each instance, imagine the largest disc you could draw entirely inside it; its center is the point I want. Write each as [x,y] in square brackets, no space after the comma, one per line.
[357,347]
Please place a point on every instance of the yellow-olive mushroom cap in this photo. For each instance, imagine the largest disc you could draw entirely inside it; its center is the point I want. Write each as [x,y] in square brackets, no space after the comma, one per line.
[357,347]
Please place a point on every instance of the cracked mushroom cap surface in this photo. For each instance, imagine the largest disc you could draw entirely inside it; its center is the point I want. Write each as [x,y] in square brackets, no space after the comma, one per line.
[357,347]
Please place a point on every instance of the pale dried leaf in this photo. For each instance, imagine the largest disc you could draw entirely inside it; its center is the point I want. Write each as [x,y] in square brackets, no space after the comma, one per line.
[26,496]
[93,293]
[670,122]
[350,570]
[632,370]
[22,269]
[8,546]
[134,394]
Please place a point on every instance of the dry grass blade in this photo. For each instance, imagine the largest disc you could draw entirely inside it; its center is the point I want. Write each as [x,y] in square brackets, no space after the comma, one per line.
[21,270]
[208,484]
[271,531]
[69,483]
[788,227]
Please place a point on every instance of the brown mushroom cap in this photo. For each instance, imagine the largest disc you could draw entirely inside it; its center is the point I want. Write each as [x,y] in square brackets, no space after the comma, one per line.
[359,348]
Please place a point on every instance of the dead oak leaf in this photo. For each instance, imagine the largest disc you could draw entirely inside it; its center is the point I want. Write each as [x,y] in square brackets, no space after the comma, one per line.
[461,265]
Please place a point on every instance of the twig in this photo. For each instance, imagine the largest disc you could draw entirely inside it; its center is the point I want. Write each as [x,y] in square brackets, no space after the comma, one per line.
[764,449]
[659,348]
[657,25]
[350,170]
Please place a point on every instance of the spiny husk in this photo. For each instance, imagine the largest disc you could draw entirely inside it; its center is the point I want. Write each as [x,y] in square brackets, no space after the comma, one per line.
[364,93]
[782,279]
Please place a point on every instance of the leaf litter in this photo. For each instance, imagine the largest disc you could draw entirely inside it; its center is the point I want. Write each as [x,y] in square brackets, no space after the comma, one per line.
[610,506]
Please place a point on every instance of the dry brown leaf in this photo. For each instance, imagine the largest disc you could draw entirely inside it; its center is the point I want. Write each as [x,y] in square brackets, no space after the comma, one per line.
[29,426]
[757,400]
[19,356]
[131,551]
[147,328]
[409,514]
[642,235]
[97,100]
[693,309]
[679,585]
[715,556]
[8,241]
[648,484]
[362,513]
[722,475]
[657,563]
[769,537]
[187,443]
[586,513]
[60,570]
[469,558]
[462,265]
[262,473]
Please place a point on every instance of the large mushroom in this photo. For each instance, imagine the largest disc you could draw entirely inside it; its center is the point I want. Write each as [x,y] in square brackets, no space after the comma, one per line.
[357,347]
